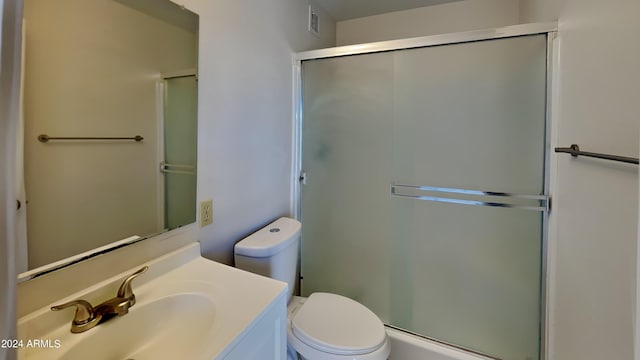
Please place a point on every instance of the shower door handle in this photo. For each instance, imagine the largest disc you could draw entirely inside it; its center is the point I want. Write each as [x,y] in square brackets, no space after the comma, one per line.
[537,202]
[177,169]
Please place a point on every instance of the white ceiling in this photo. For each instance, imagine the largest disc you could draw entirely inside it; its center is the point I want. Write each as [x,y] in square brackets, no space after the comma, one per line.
[350,9]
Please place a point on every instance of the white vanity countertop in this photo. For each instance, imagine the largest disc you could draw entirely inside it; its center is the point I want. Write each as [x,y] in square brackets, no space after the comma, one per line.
[237,300]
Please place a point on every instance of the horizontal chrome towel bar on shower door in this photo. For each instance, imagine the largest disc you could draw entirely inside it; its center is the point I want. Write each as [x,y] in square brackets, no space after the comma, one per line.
[575,151]
[472,197]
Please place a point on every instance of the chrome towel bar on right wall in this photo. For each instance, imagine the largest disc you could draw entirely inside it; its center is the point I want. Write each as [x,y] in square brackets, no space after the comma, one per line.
[574,150]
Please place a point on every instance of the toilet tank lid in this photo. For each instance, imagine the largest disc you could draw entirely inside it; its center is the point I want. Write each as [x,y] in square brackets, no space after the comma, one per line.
[271,239]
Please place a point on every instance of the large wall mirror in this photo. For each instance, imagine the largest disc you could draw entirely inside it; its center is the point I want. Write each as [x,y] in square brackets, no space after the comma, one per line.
[109,123]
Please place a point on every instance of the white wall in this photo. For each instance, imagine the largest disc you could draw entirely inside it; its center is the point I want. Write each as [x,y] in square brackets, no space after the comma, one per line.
[245,112]
[430,20]
[10,25]
[595,209]
[91,70]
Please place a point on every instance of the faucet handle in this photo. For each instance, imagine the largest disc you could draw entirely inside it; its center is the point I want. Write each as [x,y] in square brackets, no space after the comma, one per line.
[125,290]
[84,311]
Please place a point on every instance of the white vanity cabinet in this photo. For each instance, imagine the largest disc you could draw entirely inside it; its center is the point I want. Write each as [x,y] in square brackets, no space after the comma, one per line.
[267,339]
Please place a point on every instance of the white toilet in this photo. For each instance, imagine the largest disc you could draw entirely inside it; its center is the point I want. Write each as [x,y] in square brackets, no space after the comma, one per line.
[323,326]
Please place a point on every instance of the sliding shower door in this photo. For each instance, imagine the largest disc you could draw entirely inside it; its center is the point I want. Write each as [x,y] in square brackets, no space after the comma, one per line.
[423,193]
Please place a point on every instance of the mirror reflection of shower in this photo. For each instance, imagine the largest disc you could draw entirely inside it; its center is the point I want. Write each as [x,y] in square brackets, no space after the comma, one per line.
[179,150]
[93,68]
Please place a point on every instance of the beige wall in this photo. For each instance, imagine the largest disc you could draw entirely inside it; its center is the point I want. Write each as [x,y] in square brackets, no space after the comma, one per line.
[539,10]
[91,70]
[430,20]
[245,119]
[595,213]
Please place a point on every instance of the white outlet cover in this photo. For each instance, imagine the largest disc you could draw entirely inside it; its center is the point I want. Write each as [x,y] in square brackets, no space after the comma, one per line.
[206,216]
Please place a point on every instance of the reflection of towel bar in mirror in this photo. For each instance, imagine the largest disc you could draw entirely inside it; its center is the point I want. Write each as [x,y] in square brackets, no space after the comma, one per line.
[45,138]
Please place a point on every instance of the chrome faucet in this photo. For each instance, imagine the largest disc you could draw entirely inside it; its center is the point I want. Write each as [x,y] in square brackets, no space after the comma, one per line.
[88,316]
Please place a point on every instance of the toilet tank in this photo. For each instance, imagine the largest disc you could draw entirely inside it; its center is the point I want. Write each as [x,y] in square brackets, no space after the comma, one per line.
[272,251]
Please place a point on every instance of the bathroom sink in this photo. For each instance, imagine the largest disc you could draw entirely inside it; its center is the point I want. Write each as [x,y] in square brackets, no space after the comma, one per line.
[198,309]
[179,320]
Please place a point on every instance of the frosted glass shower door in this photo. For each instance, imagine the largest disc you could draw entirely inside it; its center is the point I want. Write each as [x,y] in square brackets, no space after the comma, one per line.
[424,196]
[346,154]
[470,117]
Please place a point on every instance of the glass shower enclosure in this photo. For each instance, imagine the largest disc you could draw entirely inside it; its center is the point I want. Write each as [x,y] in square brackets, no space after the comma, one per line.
[423,187]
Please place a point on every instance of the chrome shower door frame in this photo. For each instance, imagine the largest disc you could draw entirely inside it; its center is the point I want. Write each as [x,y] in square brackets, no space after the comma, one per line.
[549,29]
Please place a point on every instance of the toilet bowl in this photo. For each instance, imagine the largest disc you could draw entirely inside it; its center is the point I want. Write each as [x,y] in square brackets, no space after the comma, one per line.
[333,327]
[323,326]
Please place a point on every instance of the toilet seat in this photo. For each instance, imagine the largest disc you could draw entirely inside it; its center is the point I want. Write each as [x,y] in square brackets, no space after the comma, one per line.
[336,327]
